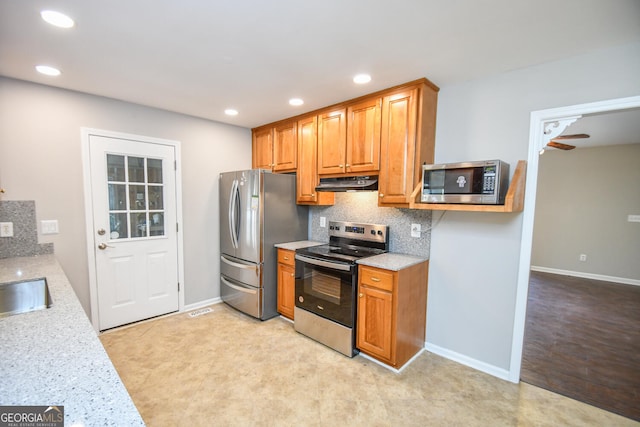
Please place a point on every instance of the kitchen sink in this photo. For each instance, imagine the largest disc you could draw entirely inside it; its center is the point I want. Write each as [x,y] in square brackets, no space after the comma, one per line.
[23,296]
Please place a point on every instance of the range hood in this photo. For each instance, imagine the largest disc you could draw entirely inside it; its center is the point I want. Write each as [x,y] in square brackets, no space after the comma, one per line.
[350,183]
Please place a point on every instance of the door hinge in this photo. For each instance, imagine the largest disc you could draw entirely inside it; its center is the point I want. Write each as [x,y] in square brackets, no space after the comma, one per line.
[178,286]
[175,165]
[177,227]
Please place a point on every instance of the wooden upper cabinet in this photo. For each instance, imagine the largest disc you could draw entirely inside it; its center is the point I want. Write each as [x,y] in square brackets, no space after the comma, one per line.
[262,148]
[407,141]
[332,140]
[363,136]
[285,147]
[307,175]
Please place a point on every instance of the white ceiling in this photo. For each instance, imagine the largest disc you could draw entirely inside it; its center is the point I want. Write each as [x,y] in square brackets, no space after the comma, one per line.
[199,57]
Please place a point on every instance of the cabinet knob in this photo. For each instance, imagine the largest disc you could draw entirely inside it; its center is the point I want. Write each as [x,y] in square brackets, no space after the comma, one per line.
[348,165]
[292,274]
[375,279]
[340,166]
[381,195]
[286,258]
[360,295]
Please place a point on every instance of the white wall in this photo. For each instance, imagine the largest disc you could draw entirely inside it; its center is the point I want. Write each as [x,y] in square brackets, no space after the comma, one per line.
[582,203]
[40,159]
[474,256]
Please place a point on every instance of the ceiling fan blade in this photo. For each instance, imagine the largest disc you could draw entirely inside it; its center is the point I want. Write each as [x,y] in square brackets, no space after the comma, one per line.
[560,145]
[574,136]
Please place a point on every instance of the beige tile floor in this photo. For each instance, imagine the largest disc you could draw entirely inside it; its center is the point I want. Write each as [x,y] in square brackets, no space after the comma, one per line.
[226,369]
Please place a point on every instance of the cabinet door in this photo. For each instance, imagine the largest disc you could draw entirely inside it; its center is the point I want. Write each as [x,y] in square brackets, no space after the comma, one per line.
[375,322]
[286,290]
[262,149]
[397,146]
[285,147]
[363,136]
[332,140]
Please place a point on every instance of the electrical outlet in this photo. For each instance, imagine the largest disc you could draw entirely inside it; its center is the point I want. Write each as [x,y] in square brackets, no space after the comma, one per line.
[415,230]
[6,229]
[323,221]
[583,257]
[633,218]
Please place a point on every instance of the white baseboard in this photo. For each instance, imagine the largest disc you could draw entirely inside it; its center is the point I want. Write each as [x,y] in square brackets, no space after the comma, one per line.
[201,304]
[602,277]
[467,361]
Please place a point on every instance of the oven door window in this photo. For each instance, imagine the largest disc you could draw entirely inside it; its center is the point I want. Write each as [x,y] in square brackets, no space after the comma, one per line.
[326,292]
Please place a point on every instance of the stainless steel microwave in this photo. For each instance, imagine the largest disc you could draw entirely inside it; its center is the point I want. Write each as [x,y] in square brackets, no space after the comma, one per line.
[481,182]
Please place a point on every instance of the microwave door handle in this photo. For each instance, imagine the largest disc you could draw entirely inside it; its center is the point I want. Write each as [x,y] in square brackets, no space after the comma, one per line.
[321,263]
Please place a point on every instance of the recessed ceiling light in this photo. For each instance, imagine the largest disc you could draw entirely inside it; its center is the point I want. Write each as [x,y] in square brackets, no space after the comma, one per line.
[231,112]
[47,70]
[56,18]
[361,78]
[296,101]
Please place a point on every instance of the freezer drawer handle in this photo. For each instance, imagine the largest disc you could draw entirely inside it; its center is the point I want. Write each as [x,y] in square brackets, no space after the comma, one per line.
[238,288]
[238,265]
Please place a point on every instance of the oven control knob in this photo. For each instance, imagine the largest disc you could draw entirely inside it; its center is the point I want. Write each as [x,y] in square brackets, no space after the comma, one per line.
[379,232]
[373,231]
[301,298]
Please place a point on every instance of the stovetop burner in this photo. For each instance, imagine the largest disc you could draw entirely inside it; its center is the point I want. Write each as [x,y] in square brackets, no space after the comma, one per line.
[350,241]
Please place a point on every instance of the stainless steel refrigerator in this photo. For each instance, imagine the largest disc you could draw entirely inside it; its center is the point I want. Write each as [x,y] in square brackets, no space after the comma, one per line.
[257,210]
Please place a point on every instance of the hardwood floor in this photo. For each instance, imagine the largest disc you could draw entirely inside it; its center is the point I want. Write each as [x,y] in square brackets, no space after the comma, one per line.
[582,340]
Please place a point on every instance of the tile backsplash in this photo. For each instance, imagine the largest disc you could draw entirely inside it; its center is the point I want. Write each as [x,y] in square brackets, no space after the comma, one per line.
[25,230]
[363,207]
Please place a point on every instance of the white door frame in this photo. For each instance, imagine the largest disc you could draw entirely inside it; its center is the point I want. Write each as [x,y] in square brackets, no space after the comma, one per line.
[544,125]
[88,209]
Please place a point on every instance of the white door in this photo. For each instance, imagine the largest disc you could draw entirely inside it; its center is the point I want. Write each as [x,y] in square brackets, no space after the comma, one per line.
[133,192]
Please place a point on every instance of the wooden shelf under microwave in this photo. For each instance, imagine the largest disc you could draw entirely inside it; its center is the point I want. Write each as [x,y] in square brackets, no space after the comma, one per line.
[514,200]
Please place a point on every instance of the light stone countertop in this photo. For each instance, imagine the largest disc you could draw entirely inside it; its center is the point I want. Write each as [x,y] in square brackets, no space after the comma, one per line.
[391,261]
[54,357]
[292,246]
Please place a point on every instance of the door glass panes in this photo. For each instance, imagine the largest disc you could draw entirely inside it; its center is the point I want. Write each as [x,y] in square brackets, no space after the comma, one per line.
[154,171]
[136,197]
[115,167]
[118,226]
[136,169]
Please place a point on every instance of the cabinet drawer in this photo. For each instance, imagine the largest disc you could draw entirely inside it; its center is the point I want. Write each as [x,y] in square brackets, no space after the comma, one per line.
[377,278]
[286,256]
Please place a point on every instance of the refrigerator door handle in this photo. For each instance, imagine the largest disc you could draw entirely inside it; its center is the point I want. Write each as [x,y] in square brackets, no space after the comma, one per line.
[233,200]
[238,288]
[242,266]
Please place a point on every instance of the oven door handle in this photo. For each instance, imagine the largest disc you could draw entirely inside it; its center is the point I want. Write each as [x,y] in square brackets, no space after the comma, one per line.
[321,263]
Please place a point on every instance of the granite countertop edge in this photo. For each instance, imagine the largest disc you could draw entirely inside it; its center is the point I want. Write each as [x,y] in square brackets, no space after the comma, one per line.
[292,246]
[54,357]
[391,261]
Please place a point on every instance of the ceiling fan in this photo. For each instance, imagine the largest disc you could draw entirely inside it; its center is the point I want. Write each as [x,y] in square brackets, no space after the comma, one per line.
[555,144]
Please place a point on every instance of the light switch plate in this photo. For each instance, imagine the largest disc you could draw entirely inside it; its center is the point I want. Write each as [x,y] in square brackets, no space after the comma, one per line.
[6,229]
[323,221]
[633,218]
[49,226]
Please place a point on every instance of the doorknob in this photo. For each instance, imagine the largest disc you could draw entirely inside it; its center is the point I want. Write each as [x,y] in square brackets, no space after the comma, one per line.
[101,232]
[103,246]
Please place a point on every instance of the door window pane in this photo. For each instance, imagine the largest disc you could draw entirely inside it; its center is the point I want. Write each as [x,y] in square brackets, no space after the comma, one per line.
[156,227]
[139,224]
[155,197]
[115,168]
[154,171]
[118,227]
[136,169]
[117,197]
[137,199]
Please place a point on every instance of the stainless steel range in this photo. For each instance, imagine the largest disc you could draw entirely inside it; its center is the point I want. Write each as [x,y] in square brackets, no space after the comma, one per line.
[326,283]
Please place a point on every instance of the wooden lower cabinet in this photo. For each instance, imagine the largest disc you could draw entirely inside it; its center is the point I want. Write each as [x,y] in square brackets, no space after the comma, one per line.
[286,282]
[392,312]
